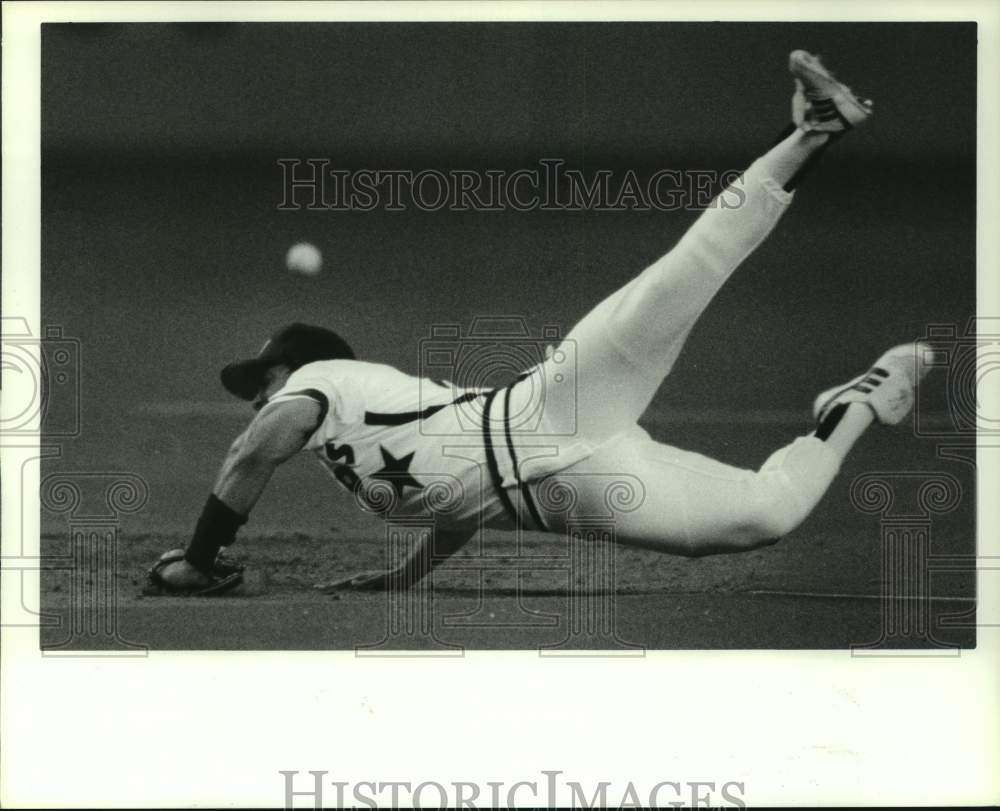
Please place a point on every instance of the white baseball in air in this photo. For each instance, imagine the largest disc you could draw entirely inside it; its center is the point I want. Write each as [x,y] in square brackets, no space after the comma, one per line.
[304,258]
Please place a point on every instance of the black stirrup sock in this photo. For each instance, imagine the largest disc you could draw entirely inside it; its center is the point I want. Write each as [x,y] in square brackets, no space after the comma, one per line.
[830,421]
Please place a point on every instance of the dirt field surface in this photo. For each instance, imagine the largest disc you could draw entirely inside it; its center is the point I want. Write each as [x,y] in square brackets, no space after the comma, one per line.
[684,621]
[825,586]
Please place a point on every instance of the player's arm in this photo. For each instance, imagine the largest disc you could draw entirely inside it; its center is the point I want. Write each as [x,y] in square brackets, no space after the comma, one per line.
[275,435]
[429,552]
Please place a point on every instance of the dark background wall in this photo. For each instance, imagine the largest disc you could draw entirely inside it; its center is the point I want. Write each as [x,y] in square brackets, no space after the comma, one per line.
[163,246]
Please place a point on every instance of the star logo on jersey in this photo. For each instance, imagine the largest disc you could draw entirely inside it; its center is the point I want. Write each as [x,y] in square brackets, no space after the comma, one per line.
[396,472]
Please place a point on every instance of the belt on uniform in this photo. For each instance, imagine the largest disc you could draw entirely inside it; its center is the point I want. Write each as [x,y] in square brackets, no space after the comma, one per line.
[494,468]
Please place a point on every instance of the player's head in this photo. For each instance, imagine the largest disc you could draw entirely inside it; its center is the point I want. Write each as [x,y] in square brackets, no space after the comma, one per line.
[291,347]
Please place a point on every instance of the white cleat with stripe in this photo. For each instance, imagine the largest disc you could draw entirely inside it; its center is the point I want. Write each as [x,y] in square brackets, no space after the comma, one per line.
[821,103]
[887,388]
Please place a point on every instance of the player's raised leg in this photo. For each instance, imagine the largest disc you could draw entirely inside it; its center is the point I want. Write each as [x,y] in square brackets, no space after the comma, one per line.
[627,344]
[688,504]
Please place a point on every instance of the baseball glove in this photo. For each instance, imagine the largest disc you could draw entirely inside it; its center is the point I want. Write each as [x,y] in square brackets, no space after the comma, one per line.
[226,575]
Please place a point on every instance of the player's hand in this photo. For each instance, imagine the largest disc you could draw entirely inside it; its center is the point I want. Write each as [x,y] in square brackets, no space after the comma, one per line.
[365,581]
[172,574]
[182,576]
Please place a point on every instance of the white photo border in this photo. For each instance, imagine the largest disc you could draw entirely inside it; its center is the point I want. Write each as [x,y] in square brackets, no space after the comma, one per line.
[215,729]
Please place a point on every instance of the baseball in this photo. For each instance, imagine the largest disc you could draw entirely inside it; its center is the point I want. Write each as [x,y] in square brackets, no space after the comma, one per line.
[304,258]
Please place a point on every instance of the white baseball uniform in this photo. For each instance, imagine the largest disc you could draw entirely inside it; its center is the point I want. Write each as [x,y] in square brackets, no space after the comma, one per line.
[409,446]
[543,451]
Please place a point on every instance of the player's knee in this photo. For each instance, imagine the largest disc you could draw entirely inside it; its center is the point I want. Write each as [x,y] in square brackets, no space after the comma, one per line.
[743,538]
[773,509]
[759,515]
[774,518]
[764,537]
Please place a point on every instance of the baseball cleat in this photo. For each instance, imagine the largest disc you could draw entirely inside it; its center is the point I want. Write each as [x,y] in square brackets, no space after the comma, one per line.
[887,388]
[820,102]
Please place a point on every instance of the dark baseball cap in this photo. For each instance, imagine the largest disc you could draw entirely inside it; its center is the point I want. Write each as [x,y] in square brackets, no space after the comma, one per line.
[293,346]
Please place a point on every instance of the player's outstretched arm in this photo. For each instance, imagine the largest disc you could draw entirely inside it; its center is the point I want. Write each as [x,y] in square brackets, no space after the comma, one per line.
[275,435]
[426,555]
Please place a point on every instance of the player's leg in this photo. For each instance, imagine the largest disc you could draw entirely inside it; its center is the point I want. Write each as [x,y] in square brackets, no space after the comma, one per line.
[624,347]
[685,503]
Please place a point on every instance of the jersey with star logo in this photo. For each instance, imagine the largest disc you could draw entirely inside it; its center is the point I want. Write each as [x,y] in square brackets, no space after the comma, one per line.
[380,432]
[408,446]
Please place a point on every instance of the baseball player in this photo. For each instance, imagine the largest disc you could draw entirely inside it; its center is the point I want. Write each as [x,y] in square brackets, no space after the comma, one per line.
[542,449]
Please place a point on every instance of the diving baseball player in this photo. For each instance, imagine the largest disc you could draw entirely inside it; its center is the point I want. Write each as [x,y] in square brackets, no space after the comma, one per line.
[403,446]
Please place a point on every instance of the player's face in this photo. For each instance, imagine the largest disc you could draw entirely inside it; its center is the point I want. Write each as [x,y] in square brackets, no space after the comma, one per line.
[276,378]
